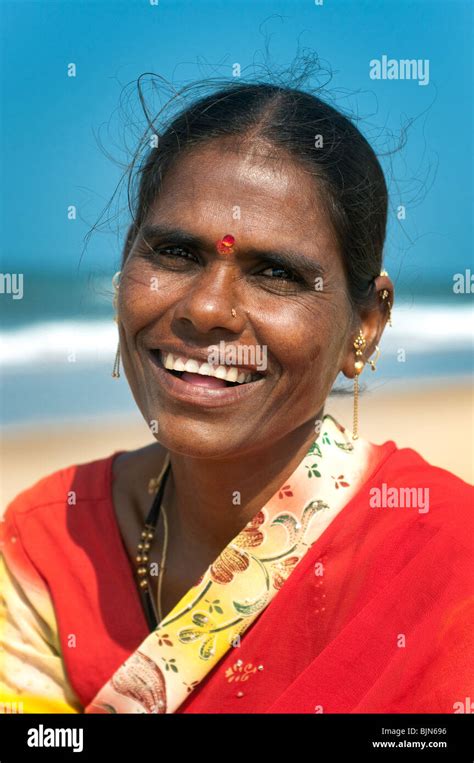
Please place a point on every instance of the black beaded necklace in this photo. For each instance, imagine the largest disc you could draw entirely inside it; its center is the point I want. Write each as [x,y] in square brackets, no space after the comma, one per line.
[144,546]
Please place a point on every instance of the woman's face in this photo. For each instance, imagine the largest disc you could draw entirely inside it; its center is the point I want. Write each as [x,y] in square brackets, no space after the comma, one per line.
[178,294]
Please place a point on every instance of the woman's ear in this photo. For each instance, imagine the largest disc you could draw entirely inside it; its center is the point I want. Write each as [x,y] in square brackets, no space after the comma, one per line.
[372,323]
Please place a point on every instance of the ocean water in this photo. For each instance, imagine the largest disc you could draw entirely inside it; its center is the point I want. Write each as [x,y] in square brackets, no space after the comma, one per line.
[57,348]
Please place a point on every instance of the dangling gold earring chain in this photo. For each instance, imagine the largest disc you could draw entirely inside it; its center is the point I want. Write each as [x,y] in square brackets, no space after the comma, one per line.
[359,347]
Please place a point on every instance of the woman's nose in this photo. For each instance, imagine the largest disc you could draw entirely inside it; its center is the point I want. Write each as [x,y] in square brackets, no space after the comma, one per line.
[213,300]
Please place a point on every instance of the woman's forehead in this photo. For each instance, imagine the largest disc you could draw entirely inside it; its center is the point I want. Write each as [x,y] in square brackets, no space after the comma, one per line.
[209,186]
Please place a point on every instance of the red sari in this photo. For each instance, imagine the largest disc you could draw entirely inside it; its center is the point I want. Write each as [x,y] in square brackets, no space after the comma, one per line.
[387,629]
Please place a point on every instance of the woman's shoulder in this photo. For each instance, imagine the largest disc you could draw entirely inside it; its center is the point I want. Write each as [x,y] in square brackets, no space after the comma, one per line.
[404,463]
[82,490]
[59,511]
[82,483]
[88,480]
[405,479]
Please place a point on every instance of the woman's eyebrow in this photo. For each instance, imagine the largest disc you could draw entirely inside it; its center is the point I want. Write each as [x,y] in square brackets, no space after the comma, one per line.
[176,235]
[285,257]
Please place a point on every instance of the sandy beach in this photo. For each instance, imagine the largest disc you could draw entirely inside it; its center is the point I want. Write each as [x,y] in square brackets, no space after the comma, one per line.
[435,420]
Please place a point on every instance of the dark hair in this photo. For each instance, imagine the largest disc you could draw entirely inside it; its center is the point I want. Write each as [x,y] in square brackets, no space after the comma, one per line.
[341,160]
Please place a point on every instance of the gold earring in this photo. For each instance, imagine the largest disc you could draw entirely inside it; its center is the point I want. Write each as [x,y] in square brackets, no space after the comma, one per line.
[385,294]
[116,368]
[115,284]
[359,347]
[373,363]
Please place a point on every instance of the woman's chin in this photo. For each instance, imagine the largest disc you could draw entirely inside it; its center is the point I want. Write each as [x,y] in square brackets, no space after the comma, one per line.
[201,442]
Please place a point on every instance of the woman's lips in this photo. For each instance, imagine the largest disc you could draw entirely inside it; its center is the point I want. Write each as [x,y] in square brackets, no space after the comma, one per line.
[198,389]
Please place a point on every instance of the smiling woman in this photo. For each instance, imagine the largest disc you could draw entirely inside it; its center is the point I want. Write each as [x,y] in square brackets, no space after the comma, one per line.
[239,564]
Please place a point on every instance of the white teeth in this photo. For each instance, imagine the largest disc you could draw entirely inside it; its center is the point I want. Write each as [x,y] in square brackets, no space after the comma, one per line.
[178,365]
[232,374]
[167,360]
[220,372]
[192,366]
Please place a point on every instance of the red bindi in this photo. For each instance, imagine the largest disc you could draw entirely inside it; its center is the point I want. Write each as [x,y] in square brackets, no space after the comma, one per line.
[225,245]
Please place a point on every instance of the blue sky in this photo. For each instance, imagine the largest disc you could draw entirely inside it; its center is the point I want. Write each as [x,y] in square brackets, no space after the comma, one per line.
[50,123]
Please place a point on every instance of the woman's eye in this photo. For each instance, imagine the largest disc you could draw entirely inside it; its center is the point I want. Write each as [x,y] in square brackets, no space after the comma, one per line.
[173,251]
[174,257]
[169,254]
[290,276]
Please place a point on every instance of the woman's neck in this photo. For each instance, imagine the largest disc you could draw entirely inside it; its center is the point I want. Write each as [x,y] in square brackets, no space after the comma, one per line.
[211,501]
